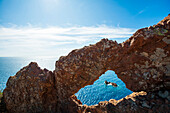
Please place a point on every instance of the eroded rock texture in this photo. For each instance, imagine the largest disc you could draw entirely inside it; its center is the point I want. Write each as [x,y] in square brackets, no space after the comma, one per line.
[137,102]
[142,62]
[31,90]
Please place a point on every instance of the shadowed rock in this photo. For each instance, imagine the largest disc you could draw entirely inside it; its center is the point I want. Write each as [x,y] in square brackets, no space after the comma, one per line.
[142,62]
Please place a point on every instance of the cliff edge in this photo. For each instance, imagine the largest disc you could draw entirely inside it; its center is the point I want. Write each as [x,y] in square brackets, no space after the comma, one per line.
[142,62]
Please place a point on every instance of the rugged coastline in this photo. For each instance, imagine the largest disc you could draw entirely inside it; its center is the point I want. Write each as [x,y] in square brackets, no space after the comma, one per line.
[142,62]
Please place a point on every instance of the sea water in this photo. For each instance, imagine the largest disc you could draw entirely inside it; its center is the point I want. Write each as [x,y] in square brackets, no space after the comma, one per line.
[9,66]
[89,95]
[99,91]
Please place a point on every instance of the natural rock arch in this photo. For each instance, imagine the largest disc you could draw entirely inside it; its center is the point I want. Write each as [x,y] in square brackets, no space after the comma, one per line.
[142,63]
[99,91]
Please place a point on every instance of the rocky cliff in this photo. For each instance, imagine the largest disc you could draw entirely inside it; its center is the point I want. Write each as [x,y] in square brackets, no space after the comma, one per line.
[142,63]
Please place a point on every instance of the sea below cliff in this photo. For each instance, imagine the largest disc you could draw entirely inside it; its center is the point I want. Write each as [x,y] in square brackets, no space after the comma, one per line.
[9,66]
[89,95]
[99,91]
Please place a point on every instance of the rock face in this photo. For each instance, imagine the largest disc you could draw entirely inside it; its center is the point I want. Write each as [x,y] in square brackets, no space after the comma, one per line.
[26,91]
[137,102]
[142,63]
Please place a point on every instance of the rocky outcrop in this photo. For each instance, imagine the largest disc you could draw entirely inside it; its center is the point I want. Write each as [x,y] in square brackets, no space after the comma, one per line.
[27,90]
[142,62]
[137,102]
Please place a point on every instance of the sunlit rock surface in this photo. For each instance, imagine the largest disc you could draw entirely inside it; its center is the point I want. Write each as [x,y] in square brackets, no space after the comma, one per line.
[27,90]
[142,63]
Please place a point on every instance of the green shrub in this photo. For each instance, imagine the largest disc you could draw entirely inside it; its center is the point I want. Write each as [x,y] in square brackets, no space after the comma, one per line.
[1,93]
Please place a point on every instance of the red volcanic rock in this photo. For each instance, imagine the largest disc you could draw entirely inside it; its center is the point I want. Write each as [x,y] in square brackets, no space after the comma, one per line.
[31,90]
[137,102]
[142,62]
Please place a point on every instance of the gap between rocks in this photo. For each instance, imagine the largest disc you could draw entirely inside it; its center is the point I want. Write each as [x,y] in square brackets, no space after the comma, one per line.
[99,91]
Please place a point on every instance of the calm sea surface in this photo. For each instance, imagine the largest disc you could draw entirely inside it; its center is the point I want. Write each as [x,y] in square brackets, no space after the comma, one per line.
[90,95]
[9,66]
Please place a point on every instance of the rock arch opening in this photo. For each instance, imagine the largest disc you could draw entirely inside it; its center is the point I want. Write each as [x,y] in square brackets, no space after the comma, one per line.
[99,91]
[142,62]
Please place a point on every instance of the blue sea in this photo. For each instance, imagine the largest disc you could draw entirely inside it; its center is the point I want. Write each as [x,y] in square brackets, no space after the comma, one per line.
[99,91]
[9,66]
[89,95]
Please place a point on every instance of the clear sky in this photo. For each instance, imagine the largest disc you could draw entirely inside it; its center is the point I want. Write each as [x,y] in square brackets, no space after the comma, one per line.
[55,27]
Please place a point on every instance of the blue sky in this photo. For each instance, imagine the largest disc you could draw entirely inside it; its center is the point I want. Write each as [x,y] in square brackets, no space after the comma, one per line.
[55,27]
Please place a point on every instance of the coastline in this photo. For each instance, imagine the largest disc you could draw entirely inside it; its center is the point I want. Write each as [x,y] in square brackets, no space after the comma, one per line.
[142,63]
